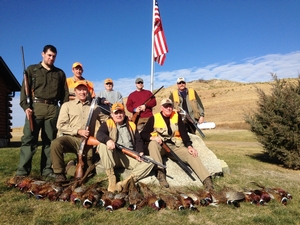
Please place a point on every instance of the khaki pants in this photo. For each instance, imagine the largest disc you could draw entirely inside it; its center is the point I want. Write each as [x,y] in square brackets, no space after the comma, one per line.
[68,144]
[156,152]
[116,159]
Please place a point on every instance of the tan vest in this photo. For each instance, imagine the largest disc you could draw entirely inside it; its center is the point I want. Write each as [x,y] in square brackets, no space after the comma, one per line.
[113,132]
[191,102]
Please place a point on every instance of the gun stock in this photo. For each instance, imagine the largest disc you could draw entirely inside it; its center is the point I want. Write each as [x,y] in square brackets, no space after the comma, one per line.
[27,90]
[80,164]
[183,166]
[134,117]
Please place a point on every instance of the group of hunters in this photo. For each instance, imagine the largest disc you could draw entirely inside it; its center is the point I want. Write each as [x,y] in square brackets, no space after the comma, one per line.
[67,113]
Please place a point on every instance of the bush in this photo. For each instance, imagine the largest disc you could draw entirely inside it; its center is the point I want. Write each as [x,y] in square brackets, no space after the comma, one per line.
[276,123]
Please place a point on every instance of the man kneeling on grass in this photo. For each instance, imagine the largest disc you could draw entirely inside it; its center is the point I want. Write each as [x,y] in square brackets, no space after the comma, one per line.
[118,129]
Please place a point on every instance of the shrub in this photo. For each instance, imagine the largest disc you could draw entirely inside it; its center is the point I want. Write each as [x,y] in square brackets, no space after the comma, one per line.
[276,123]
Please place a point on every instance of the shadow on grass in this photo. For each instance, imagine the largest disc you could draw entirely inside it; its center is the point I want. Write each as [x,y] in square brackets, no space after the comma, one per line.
[18,144]
[264,157]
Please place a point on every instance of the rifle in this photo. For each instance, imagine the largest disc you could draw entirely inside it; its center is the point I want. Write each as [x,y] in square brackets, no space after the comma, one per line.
[27,92]
[79,168]
[179,161]
[135,155]
[192,121]
[136,114]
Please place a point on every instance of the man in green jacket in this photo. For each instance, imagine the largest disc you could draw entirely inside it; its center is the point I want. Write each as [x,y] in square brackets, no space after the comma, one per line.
[48,89]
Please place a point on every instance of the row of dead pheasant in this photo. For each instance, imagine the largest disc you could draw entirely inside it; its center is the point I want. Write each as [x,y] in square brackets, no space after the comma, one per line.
[136,196]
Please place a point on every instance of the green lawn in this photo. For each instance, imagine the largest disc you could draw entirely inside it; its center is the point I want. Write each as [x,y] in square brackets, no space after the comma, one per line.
[245,158]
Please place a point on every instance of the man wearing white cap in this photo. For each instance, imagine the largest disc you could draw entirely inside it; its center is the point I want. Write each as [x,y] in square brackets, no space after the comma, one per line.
[189,101]
[71,124]
[77,70]
[167,126]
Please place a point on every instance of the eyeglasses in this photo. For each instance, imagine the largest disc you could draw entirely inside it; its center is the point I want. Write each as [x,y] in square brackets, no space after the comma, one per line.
[108,83]
[181,82]
[168,106]
[140,82]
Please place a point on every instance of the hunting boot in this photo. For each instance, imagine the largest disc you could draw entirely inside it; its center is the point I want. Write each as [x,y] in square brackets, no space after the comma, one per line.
[122,184]
[208,185]
[111,179]
[161,177]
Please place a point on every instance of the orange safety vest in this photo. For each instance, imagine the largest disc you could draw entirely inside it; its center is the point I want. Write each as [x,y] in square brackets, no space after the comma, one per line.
[161,129]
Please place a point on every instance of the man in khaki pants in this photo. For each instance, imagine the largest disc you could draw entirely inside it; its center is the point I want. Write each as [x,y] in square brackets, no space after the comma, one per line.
[118,129]
[168,127]
[72,121]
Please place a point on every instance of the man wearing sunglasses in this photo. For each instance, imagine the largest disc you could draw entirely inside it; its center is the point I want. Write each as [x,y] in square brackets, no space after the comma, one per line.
[189,101]
[135,103]
[167,126]
[118,129]
[108,97]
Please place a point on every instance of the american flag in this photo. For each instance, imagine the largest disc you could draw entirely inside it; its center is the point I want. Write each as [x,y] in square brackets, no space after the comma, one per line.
[160,44]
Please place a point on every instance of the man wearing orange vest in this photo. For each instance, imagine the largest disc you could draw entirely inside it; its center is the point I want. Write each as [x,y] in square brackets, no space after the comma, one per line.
[189,101]
[167,126]
[77,70]
[118,129]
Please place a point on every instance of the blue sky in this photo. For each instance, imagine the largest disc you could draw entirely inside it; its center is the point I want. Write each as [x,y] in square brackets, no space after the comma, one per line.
[234,40]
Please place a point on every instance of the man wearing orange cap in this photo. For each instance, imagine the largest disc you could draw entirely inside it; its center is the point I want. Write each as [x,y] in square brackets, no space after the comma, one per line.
[71,124]
[108,96]
[118,129]
[77,70]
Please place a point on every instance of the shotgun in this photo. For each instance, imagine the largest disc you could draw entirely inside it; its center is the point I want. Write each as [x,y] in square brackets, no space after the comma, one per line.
[27,91]
[135,155]
[192,121]
[179,161]
[134,117]
[79,168]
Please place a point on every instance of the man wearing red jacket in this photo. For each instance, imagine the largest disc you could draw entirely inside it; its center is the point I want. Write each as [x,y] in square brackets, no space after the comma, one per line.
[135,103]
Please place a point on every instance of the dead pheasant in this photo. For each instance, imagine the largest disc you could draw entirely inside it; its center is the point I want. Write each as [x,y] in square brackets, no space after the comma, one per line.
[172,202]
[151,198]
[135,198]
[278,194]
[118,202]
[228,196]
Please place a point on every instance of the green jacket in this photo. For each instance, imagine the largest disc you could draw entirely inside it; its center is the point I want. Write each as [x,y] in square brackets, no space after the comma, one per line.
[45,84]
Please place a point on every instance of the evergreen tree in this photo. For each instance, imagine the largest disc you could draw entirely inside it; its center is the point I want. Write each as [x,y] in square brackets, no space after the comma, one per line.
[276,123]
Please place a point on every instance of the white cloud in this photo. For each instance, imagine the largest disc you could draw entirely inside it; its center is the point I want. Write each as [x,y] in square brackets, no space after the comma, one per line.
[255,69]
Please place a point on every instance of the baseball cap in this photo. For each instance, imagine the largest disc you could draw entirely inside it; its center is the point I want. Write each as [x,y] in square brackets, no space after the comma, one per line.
[80,82]
[117,106]
[180,79]
[166,101]
[139,80]
[108,80]
[77,64]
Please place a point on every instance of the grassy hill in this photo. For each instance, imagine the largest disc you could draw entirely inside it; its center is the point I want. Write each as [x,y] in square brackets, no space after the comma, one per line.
[225,102]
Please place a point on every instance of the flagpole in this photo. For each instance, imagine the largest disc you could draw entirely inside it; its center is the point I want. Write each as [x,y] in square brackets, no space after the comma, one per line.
[152,50]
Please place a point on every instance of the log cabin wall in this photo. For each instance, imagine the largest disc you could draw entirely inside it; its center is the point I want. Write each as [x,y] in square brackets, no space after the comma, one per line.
[8,86]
